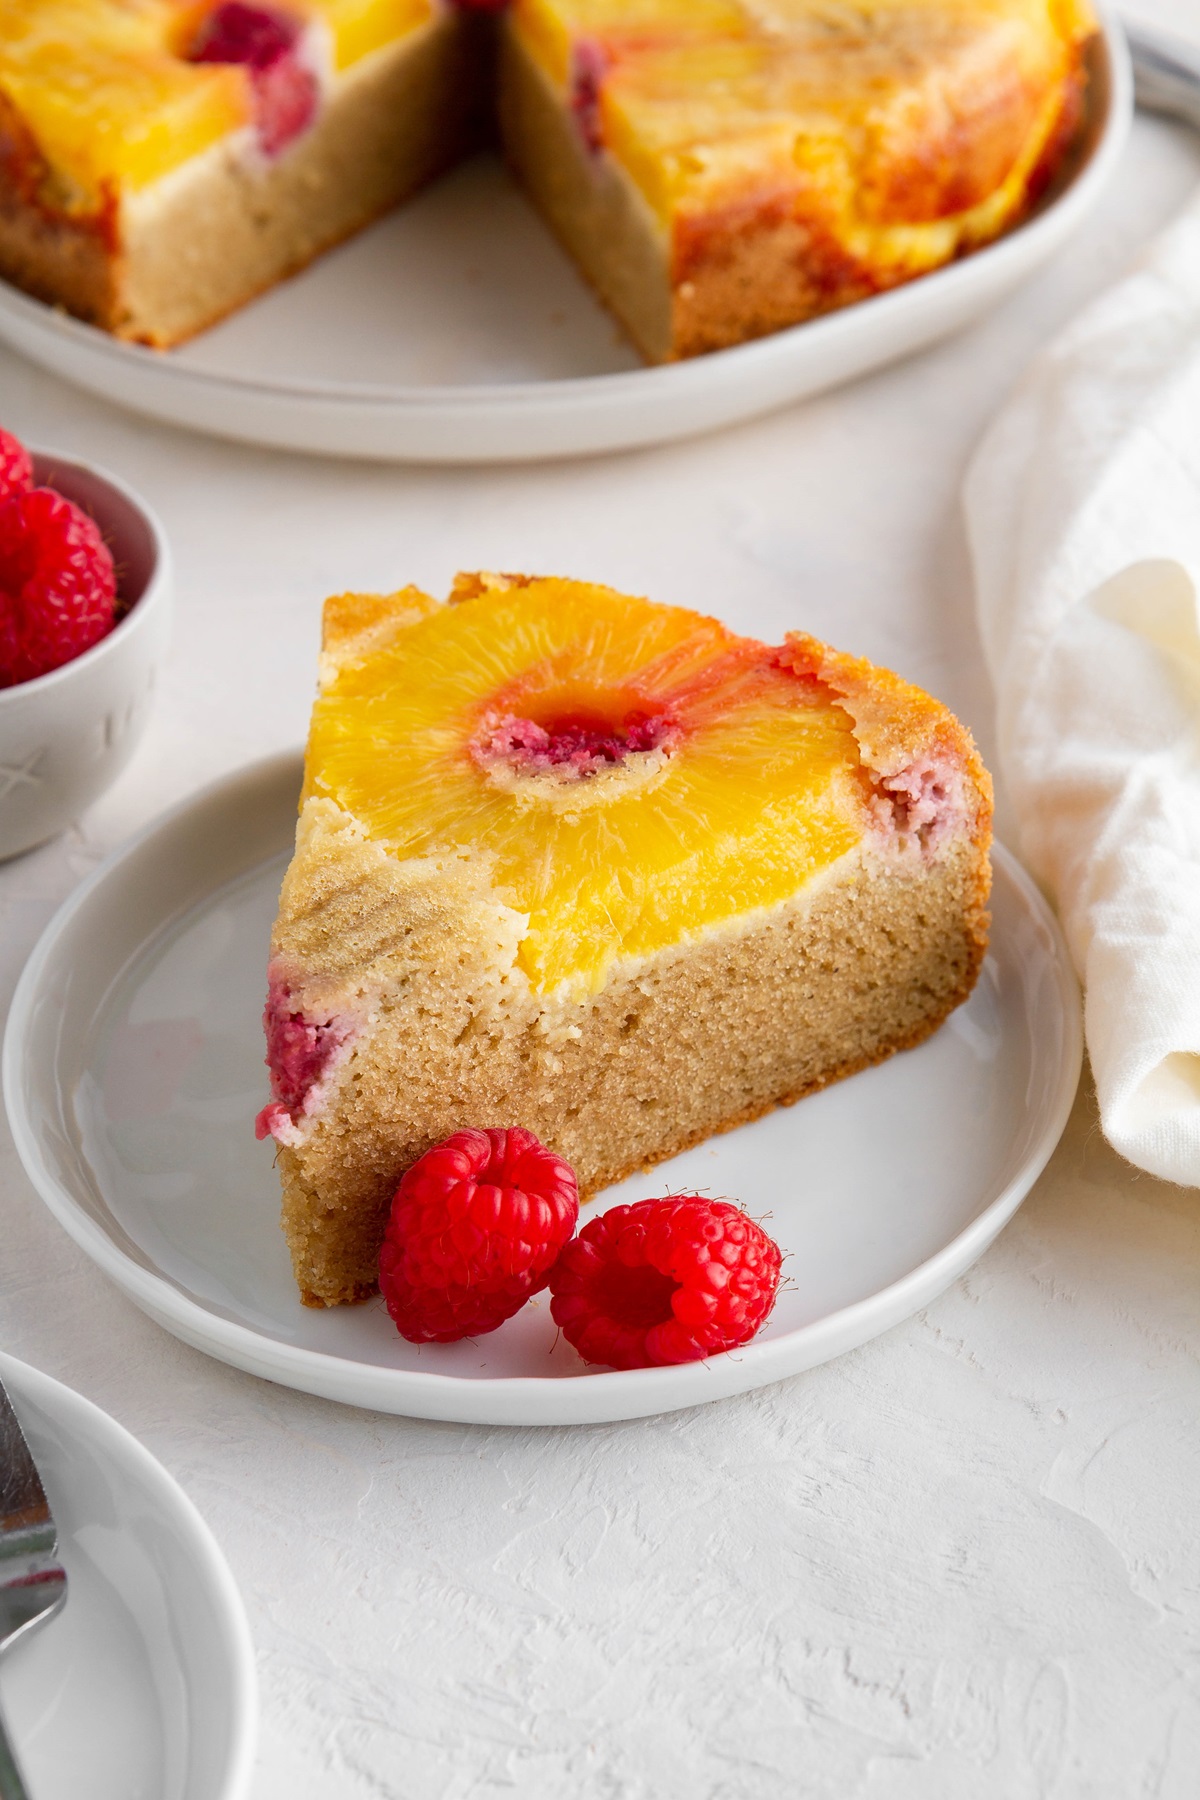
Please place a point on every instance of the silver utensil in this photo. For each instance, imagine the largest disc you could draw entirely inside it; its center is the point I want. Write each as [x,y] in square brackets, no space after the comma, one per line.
[1166,72]
[33,1584]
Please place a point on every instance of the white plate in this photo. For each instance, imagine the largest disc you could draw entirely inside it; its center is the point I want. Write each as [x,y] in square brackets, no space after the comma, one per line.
[456,331]
[133,1067]
[143,1687]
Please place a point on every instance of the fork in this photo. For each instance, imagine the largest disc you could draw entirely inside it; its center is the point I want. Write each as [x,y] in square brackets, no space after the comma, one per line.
[33,1584]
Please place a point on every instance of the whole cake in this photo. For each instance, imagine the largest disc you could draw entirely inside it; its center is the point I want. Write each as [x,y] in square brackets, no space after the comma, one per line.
[718,168]
[601,869]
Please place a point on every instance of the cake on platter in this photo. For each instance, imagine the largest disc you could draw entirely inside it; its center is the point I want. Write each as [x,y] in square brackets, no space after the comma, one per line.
[601,869]
[718,169]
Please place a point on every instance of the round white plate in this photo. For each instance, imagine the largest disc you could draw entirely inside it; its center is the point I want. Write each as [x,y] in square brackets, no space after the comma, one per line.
[133,1068]
[456,331]
[143,1686]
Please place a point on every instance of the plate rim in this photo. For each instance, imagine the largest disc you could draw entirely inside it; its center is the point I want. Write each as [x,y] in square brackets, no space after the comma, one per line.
[58,1400]
[656,384]
[604,1395]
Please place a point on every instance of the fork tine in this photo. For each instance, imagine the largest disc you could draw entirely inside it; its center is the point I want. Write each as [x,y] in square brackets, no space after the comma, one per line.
[33,1583]
[29,1599]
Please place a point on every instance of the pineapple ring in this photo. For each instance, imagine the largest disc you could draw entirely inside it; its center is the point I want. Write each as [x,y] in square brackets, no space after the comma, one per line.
[751,788]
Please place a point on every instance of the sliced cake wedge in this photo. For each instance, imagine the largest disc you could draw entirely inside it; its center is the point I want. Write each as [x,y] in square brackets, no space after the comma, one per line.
[600,868]
[720,169]
[162,163]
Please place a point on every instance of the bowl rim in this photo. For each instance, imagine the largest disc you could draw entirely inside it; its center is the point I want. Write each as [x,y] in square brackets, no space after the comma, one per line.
[149,600]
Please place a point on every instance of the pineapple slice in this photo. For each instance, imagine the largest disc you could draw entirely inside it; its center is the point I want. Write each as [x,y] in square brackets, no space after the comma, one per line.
[110,101]
[753,771]
[360,26]
[901,114]
[105,98]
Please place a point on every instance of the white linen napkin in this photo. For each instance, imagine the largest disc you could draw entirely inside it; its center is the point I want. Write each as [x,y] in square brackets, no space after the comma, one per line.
[1083,512]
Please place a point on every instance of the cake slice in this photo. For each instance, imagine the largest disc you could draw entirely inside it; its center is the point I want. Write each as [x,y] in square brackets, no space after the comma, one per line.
[600,868]
[722,168]
[161,162]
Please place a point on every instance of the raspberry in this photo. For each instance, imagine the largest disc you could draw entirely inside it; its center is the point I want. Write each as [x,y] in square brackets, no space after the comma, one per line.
[57,584]
[234,32]
[16,466]
[664,1281]
[285,103]
[574,746]
[476,1225]
[263,40]
[591,67]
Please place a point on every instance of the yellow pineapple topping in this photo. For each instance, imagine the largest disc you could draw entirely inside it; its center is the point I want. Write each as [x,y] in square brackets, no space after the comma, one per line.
[360,26]
[864,105]
[106,93]
[632,773]
[99,88]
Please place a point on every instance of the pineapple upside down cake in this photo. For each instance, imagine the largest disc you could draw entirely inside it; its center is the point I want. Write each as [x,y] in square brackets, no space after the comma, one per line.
[599,868]
[718,169]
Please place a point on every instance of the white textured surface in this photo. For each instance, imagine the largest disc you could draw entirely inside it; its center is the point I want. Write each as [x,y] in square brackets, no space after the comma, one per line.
[960,1562]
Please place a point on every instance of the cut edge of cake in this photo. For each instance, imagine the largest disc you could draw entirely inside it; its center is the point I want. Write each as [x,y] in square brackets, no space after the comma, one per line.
[398,976]
[157,264]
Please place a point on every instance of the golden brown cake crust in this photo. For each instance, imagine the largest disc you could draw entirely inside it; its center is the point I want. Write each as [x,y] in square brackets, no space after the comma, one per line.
[69,262]
[769,261]
[866,959]
[895,725]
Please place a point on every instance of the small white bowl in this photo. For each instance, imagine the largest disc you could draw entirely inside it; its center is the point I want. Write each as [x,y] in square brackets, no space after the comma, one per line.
[66,736]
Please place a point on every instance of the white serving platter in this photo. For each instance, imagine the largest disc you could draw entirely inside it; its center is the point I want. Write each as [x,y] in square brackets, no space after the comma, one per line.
[456,331]
[143,1686]
[133,1068]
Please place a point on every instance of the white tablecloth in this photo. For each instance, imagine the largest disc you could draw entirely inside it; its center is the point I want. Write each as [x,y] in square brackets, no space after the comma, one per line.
[960,1562]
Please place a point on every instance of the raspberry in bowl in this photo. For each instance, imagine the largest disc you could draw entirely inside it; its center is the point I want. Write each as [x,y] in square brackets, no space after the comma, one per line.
[84,617]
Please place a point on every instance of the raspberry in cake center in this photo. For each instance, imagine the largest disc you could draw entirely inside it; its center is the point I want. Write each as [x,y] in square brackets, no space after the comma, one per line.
[269,44]
[569,746]
[254,35]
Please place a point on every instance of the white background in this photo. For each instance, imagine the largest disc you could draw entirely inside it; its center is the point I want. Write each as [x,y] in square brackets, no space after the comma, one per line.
[960,1562]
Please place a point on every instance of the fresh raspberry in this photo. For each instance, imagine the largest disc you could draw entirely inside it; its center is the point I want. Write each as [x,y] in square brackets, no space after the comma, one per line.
[476,1225]
[286,97]
[664,1281]
[266,42]
[591,65]
[57,584]
[16,466]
